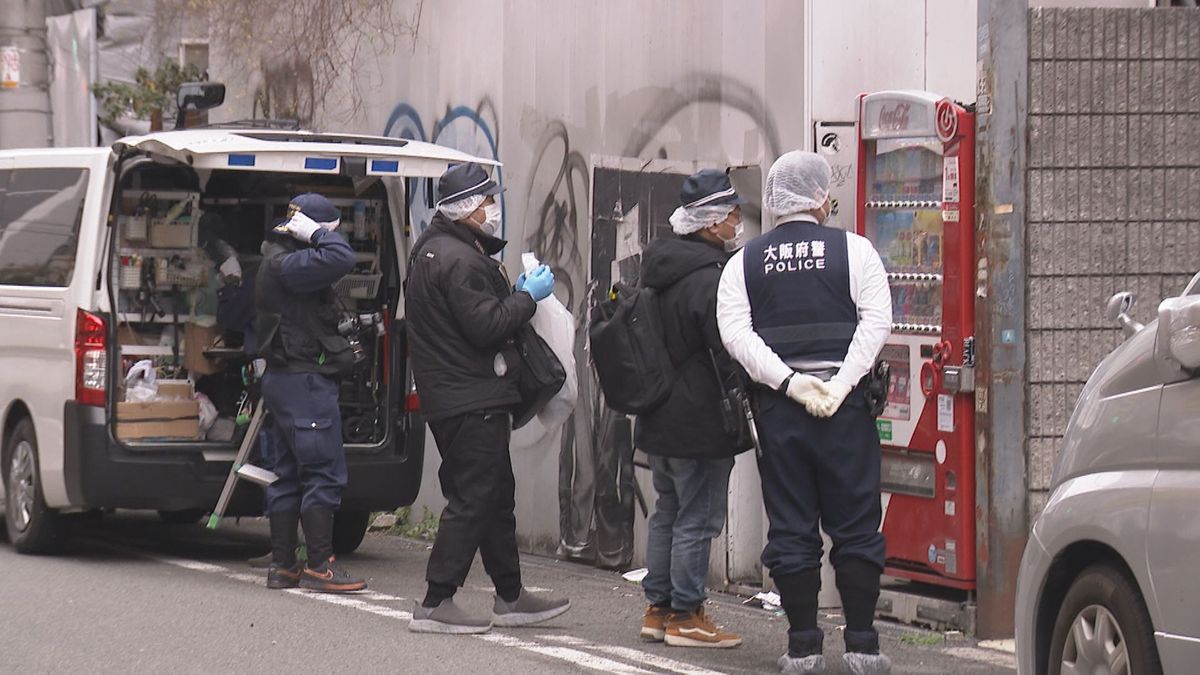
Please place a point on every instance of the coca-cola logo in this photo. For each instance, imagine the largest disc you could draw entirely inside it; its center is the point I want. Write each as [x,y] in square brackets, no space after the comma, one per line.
[947,121]
[894,118]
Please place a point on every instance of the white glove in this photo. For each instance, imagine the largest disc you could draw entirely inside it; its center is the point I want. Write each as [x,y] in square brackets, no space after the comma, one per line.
[301,227]
[834,392]
[805,390]
[231,271]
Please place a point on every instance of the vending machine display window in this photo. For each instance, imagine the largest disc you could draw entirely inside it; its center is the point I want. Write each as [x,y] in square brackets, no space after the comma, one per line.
[899,399]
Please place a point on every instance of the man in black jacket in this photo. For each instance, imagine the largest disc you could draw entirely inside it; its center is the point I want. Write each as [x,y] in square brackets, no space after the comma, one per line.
[691,455]
[463,316]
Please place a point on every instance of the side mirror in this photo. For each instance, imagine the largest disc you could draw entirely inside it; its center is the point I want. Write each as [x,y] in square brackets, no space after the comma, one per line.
[1178,338]
[196,96]
[1118,309]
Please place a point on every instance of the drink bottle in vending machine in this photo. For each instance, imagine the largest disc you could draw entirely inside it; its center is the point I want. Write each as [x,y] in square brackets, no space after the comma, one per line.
[915,202]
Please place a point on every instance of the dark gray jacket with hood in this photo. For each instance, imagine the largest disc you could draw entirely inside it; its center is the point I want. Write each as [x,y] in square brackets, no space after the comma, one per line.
[685,273]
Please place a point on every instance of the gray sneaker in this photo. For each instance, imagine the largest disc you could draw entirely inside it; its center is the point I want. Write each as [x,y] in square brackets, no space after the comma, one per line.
[528,609]
[447,619]
[808,665]
[867,664]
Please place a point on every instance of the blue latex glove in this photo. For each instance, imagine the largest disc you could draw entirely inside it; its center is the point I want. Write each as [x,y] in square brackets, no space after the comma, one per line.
[520,282]
[539,283]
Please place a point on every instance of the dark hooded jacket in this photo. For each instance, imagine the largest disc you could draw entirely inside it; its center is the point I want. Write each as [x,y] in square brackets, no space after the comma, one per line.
[685,273]
[461,312]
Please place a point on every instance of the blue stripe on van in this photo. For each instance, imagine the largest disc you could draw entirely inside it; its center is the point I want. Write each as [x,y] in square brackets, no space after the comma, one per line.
[241,160]
[320,163]
[385,165]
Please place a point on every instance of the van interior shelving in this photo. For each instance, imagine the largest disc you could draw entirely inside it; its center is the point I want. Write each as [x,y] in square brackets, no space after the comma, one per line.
[173,228]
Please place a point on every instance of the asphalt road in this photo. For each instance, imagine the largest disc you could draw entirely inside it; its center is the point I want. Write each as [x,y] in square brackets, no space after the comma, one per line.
[132,595]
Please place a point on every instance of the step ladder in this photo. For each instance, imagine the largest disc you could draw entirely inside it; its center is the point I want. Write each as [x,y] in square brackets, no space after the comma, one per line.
[241,469]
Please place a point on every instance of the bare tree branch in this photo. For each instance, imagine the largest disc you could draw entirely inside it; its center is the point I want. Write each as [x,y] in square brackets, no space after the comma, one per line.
[303,48]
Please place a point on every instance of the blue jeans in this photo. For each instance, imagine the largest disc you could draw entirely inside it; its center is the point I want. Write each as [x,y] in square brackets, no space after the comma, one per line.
[690,512]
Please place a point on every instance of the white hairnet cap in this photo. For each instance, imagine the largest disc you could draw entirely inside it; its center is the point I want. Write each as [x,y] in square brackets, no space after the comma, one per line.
[797,182]
[462,208]
[688,219]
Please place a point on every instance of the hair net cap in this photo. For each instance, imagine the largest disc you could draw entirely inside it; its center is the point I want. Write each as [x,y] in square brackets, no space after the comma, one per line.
[688,219]
[457,210]
[797,182]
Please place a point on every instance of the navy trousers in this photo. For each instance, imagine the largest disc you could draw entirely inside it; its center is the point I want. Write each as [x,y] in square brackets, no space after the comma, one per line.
[305,427]
[819,473]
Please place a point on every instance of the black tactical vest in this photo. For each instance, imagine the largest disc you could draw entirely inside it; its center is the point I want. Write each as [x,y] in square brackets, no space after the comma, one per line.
[297,332]
[798,282]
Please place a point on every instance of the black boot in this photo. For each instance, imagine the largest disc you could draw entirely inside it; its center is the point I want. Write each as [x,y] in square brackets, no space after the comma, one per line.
[285,569]
[798,593]
[858,584]
[321,574]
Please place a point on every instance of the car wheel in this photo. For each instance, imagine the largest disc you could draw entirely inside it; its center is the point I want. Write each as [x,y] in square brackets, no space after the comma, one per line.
[1103,628]
[349,528]
[32,526]
[184,517]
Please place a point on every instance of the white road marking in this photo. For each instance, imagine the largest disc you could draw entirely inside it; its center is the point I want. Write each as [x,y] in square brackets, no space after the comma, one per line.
[358,601]
[988,656]
[194,565]
[570,652]
[353,603]
[379,597]
[248,578]
[572,656]
[631,654]
[531,589]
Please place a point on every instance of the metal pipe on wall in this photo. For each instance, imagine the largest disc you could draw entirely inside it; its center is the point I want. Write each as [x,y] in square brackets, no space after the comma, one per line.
[25,98]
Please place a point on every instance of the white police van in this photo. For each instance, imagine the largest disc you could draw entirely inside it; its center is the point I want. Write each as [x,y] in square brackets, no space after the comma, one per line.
[106,262]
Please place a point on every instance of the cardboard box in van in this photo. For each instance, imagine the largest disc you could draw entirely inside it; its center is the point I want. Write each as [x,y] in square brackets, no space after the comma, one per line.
[158,419]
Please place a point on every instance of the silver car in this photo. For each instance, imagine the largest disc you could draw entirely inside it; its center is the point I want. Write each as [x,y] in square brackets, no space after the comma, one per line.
[1110,579]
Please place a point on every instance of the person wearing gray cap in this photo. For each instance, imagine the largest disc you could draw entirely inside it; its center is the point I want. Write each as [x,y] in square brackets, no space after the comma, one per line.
[463,316]
[806,309]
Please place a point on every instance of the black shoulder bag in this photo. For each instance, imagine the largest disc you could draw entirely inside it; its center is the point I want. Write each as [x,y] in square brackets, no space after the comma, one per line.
[737,412]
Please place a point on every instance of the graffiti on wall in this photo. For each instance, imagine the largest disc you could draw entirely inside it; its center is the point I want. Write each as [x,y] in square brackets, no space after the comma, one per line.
[474,130]
[595,447]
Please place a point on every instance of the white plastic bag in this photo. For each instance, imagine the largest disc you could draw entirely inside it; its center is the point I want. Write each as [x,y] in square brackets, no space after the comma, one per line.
[554,323]
[140,382]
[208,412]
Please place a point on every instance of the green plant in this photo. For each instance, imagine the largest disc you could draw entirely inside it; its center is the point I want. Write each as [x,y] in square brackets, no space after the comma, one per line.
[425,528]
[922,639]
[151,94]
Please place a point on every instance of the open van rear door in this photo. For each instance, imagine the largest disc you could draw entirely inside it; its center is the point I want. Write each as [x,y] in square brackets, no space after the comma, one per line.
[300,152]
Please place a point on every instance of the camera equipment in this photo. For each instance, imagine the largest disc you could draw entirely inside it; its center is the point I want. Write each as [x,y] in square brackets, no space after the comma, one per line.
[354,326]
[876,384]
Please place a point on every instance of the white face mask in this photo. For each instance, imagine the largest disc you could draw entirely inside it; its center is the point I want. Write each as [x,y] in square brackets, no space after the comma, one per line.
[491,219]
[739,238]
[735,243]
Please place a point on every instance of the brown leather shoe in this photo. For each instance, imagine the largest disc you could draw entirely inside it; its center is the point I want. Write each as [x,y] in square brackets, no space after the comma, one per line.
[695,629]
[654,624]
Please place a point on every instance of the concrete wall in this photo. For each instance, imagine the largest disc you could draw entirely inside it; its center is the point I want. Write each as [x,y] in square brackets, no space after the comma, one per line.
[554,89]
[1114,126]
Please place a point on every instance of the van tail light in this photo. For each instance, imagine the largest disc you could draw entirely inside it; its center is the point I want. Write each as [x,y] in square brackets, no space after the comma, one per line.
[412,402]
[91,359]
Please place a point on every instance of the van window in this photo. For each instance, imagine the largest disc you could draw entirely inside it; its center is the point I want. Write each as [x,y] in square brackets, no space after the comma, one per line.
[40,212]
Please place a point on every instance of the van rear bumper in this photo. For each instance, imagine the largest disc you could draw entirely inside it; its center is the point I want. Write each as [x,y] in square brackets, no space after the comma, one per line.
[101,473]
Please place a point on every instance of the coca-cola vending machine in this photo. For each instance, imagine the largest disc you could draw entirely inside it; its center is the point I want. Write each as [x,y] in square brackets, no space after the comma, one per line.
[915,202]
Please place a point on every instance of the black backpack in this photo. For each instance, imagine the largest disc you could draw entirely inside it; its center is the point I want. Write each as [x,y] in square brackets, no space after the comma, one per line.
[629,349]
